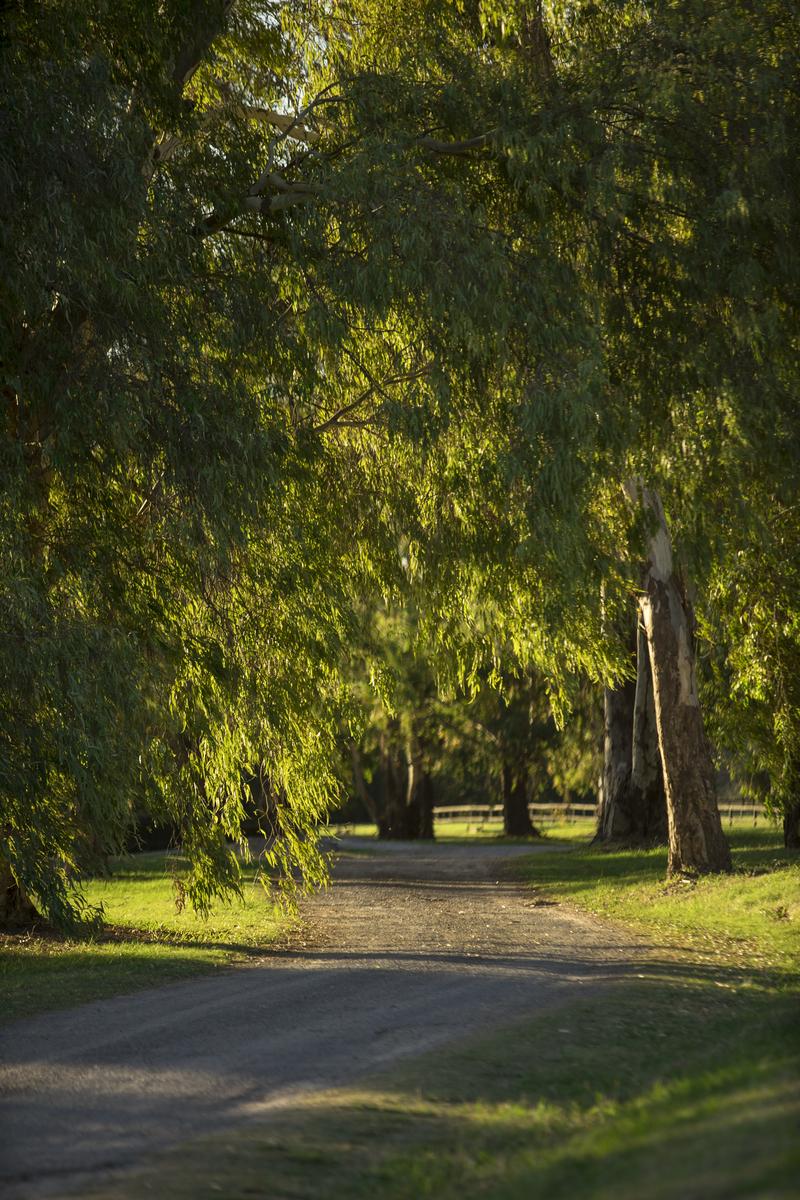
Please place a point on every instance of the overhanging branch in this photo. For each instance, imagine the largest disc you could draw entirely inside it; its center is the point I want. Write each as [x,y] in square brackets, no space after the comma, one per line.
[455,149]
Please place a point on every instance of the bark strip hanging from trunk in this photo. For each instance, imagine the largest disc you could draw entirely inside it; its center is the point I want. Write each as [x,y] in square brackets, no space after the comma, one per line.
[634,808]
[696,840]
[419,795]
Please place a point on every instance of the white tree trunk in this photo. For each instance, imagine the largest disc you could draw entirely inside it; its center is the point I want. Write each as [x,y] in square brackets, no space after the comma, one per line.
[696,840]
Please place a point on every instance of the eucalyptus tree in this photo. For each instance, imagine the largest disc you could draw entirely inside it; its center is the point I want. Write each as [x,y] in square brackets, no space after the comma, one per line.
[395,740]
[622,169]
[509,726]
[715,134]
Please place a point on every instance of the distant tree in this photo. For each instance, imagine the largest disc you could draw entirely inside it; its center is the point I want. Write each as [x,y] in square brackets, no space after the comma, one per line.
[396,756]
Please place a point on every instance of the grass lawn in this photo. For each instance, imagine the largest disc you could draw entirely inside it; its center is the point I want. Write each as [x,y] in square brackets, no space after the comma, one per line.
[146,942]
[579,828]
[680,1082]
[751,917]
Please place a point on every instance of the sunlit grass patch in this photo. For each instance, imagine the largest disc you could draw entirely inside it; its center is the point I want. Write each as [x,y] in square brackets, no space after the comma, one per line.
[754,913]
[140,894]
[576,829]
[146,940]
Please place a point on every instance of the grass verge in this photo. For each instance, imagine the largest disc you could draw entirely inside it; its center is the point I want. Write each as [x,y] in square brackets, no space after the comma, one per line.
[579,828]
[750,918]
[146,941]
[680,1082]
[677,1086]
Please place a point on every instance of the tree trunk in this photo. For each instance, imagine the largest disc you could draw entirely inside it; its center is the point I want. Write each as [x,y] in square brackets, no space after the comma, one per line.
[647,797]
[360,783]
[426,806]
[393,820]
[419,795]
[696,840]
[263,807]
[791,826]
[614,822]
[17,910]
[633,808]
[516,818]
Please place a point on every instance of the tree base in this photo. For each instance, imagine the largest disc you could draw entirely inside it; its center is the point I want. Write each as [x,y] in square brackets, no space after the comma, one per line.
[17,910]
[791,827]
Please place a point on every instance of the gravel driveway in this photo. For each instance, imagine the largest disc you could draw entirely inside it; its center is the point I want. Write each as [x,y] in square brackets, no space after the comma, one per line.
[412,946]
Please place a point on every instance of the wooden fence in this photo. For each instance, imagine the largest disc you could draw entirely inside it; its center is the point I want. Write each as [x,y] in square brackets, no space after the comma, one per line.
[542,814]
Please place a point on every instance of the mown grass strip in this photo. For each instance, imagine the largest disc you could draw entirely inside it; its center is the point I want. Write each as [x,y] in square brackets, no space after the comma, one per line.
[751,916]
[146,941]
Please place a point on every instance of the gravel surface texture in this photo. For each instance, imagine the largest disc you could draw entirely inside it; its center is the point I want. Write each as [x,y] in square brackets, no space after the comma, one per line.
[413,946]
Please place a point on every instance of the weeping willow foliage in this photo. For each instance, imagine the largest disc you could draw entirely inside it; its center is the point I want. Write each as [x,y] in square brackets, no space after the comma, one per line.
[605,195]
[307,302]
[176,576]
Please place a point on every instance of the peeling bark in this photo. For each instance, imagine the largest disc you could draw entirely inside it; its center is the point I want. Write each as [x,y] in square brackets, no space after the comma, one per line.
[419,796]
[696,840]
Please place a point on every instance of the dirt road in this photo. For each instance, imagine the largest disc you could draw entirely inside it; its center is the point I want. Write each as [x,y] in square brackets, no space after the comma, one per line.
[410,948]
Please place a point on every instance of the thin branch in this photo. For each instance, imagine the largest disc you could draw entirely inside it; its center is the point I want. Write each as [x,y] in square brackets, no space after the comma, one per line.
[375,386]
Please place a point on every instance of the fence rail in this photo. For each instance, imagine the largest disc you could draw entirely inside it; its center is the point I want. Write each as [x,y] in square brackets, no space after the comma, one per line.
[484,813]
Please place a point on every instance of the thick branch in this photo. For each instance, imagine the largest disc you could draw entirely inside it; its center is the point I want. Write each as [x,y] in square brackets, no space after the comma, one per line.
[289,125]
[204,30]
[455,149]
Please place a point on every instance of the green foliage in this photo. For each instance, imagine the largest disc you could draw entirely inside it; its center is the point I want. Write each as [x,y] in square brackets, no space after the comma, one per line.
[311,302]
[753,627]
[605,196]
[175,586]
[465,740]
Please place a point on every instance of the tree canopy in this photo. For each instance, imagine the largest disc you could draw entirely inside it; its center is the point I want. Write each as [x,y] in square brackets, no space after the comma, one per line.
[308,304]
